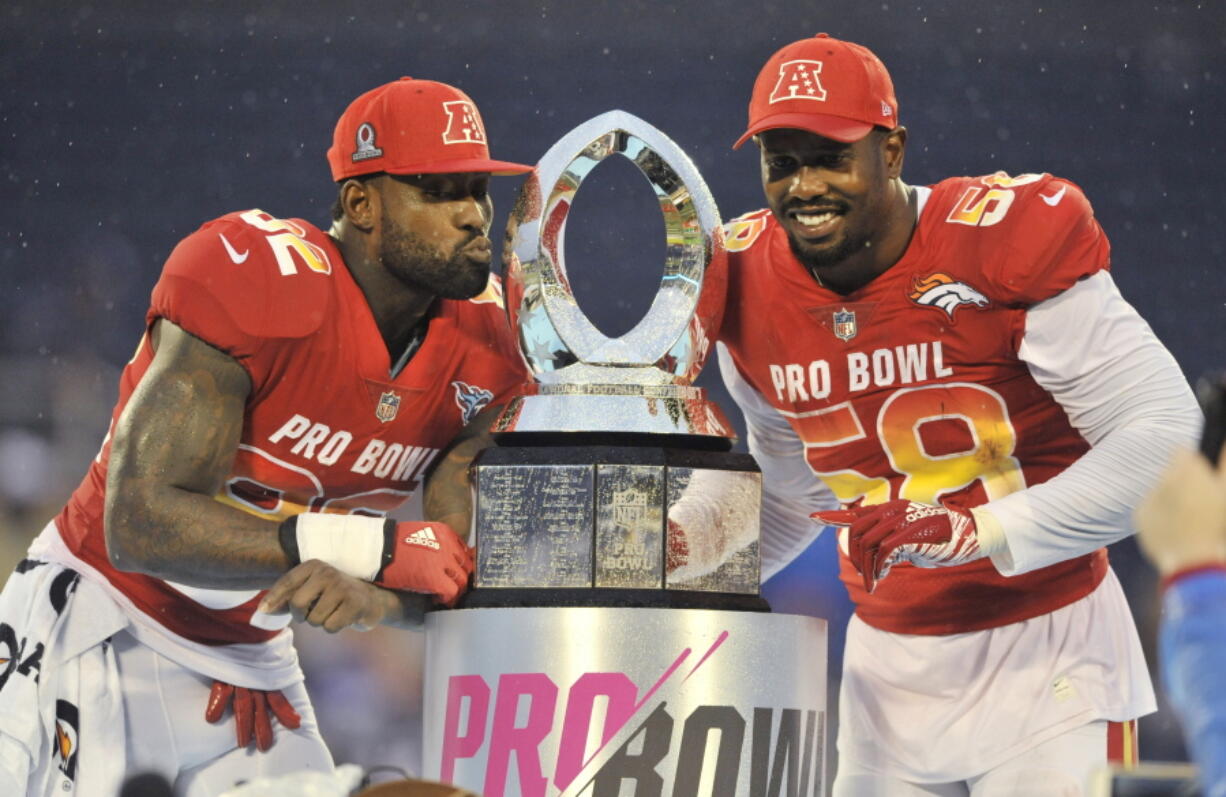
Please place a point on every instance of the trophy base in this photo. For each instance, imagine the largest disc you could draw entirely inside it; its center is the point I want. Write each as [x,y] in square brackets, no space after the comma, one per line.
[611,598]
[615,516]
[611,701]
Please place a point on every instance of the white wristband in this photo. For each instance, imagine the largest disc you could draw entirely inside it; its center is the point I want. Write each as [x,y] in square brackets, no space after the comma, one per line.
[353,544]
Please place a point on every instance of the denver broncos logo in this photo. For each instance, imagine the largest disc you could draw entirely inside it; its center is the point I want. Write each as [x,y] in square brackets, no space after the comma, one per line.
[944,293]
[470,399]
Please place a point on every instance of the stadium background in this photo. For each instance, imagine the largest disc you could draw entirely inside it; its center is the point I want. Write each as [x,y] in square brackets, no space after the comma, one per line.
[124,125]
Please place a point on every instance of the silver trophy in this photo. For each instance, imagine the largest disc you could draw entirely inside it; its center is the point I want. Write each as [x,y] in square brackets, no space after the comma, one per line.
[600,648]
[613,470]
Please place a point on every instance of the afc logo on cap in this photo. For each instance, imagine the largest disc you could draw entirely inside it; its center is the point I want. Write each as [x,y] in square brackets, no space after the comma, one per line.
[463,123]
[798,80]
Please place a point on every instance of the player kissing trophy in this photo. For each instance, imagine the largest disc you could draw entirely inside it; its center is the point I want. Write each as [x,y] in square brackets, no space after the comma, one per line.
[615,622]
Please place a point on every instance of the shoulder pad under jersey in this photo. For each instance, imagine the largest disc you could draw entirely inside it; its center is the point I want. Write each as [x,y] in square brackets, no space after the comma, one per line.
[1030,236]
[247,277]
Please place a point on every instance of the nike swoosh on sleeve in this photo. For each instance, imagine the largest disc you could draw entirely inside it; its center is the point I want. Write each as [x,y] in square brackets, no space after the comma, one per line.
[1055,198]
[236,257]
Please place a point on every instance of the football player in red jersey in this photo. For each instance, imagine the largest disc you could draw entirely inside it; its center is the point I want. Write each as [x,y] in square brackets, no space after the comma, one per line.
[292,387]
[949,376]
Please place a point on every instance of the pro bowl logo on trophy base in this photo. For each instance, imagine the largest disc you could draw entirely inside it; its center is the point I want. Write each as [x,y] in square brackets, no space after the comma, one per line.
[683,722]
[602,645]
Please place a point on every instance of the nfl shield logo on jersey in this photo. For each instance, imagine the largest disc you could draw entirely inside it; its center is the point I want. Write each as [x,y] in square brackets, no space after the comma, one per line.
[389,404]
[845,324]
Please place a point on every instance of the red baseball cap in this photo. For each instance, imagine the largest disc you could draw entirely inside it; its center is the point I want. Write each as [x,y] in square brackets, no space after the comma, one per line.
[834,88]
[413,127]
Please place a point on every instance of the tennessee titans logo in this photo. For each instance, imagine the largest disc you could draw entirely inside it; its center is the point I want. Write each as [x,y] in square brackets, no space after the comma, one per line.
[470,399]
[944,293]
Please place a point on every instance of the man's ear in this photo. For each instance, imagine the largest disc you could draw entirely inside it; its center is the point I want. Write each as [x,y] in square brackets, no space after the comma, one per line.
[359,202]
[893,147]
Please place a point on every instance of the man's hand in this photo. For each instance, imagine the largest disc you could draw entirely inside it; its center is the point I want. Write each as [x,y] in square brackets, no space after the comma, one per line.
[715,517]
[1181,524]
[882,535]
[251,708]
[408,557]
[319,594]
[427,557]
[677,548]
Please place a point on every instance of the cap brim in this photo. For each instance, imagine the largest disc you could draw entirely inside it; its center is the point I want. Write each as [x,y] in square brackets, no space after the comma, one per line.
[833,127]
[501,168]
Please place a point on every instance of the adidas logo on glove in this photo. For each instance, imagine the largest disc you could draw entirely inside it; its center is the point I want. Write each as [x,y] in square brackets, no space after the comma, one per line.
[423,537]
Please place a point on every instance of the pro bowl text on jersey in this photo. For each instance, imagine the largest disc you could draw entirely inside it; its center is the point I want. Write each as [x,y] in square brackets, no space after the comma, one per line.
[895,365]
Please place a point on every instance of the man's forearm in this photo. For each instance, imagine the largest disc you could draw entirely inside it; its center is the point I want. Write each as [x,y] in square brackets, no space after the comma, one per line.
[447,494]
[405,609]
[1125,394]
[194,539]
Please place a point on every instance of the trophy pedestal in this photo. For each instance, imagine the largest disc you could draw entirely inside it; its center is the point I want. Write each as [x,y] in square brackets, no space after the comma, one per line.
[589,701]
[608,518]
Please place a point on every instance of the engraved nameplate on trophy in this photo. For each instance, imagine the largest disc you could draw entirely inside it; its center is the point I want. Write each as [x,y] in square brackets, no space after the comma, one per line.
[596,516]
[556,551]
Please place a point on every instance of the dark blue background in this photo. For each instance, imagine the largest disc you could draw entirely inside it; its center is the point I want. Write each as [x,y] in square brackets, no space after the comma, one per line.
[123,126]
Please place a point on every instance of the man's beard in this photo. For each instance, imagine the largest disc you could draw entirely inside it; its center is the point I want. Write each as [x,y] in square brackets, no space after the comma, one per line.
[413,261]
[828,259]
[854,240]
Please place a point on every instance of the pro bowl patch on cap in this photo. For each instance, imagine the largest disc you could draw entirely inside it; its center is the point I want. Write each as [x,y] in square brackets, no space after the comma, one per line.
[365,141]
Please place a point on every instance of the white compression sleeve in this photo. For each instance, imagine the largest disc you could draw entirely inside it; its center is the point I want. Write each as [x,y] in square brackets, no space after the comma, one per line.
[790,490]
[718,512]
[1123,391]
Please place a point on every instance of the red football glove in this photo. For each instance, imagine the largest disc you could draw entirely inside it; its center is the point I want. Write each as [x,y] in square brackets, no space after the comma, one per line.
[882,535]
[426,557]
[408,556]
[251,712]
[677,547]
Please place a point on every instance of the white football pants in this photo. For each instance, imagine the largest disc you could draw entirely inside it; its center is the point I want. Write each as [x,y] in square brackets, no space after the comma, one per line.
[166,732]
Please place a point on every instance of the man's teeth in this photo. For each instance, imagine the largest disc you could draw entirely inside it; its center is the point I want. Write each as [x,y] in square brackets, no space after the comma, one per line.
[814,219]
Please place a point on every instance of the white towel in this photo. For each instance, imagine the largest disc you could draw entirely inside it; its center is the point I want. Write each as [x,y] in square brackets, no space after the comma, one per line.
[61,710]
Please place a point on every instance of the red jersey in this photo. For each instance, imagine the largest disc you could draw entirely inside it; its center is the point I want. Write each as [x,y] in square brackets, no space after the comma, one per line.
[327,428]
[912,387]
